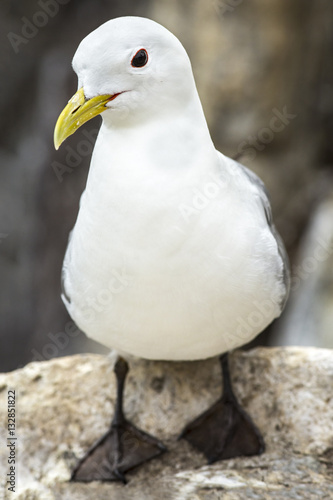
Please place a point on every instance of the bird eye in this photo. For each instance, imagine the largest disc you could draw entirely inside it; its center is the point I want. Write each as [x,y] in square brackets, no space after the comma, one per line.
[140,59]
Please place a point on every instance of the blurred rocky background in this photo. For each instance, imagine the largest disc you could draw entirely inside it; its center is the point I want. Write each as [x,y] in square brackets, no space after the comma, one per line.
[264,74]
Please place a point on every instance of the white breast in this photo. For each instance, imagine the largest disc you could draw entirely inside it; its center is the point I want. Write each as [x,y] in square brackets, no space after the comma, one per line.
[163,265]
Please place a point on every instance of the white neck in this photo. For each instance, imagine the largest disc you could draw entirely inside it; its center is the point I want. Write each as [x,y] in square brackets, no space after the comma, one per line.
[162,145]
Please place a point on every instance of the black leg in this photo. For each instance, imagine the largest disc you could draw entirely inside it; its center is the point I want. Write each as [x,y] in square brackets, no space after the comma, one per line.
[225,430]
[122,448]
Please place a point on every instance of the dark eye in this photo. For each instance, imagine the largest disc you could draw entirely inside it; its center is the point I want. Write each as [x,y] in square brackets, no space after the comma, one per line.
[140,59]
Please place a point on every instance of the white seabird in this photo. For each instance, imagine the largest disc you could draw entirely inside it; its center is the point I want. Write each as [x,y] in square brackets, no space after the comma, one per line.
[174,255]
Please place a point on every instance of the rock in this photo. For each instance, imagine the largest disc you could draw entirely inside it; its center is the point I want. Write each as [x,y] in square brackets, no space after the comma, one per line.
[64,405]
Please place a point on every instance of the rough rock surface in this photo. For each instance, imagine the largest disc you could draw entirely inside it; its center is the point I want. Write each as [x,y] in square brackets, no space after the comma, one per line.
[64,405]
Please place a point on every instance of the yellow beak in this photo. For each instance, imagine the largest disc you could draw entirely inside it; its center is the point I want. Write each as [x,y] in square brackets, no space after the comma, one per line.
[77,112]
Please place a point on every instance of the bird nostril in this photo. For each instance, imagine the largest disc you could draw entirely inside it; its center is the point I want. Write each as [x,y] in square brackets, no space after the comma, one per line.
[75,110]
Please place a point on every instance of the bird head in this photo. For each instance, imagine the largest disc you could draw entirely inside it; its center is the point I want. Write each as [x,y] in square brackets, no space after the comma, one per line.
[128,69]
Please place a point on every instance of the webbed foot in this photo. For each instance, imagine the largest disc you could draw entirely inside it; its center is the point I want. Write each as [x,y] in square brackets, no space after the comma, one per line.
[225,430]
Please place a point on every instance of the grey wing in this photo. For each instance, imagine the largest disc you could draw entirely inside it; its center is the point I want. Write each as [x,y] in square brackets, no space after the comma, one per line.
[264,198]
[64,293]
